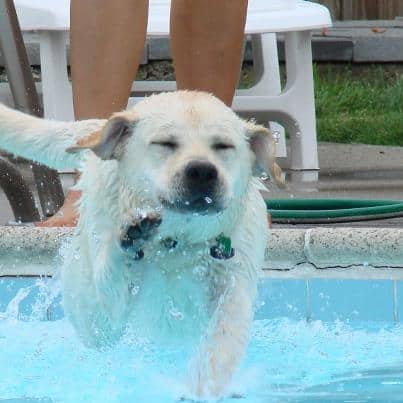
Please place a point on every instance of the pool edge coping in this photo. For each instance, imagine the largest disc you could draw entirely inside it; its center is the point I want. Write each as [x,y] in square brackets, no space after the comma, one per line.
[316,252]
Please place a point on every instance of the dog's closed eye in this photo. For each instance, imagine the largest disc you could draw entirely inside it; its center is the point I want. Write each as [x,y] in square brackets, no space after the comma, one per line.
[170,144]
[222,143]
[221,146]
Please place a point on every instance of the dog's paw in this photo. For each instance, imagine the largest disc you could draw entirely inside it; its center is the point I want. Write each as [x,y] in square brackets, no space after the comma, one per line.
[145,228]
[142,230]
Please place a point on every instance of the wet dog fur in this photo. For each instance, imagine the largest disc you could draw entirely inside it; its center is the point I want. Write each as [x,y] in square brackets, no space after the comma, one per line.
[161,182]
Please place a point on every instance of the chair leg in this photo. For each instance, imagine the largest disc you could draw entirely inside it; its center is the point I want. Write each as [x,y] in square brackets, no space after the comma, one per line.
[26,99]
[301,101]
[17,191]
[266,66]
[56,88]
[294,107]
[16,61]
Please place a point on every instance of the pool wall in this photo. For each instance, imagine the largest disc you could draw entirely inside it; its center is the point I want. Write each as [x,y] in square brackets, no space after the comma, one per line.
[327,274]
[349,301]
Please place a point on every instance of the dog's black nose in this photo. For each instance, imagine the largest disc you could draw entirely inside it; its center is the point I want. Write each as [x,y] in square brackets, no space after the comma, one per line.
[200,187]
[200,173]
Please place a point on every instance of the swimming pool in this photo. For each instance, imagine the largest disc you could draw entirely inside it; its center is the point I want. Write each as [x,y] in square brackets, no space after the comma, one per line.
[313,339]
[349,349]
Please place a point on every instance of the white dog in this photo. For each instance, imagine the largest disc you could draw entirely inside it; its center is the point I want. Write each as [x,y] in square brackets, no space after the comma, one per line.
[172,228]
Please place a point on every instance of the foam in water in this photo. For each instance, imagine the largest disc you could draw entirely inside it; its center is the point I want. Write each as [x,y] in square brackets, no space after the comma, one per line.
[286,360]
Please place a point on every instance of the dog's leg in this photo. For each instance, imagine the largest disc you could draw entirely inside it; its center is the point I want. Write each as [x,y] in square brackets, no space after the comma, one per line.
[96,291]
[228,334]
[41,140]
[222,349]
[99,281]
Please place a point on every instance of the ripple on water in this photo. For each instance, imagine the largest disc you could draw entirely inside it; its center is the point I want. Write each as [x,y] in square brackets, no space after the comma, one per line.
[287,361]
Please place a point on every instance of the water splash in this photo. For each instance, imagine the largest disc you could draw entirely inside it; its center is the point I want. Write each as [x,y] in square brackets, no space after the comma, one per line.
[13,308]
[33,303]
[276,136]
[264,177]
[286,361]
[49,290]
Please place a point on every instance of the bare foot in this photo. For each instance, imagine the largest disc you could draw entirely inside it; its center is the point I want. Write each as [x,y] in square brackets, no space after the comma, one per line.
[67,216]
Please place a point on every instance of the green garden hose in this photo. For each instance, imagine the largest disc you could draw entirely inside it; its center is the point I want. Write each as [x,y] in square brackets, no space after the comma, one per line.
[322,211]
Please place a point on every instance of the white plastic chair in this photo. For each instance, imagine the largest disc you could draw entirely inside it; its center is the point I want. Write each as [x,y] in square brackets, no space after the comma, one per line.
[293,107]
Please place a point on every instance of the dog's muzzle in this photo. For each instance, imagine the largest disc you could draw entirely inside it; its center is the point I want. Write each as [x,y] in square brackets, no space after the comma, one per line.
[200,188]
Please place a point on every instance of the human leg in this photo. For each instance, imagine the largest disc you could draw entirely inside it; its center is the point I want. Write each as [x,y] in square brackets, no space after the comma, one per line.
[107,41]
[207,44]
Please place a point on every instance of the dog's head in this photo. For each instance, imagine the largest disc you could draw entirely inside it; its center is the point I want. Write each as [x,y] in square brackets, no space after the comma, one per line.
[184,150]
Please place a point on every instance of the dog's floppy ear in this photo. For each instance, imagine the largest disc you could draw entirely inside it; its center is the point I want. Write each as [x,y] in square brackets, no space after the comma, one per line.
[264,147]
[106,143]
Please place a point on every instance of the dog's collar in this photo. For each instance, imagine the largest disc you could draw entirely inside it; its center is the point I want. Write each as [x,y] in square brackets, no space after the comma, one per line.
[222,250]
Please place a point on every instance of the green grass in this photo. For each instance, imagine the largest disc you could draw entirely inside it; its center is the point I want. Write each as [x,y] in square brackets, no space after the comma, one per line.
[356,104]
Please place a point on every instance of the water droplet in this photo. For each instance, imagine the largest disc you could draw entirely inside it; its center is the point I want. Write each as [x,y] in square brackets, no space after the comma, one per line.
[134,290]
[264,176]
[276,136]
[176,314]
[200,271]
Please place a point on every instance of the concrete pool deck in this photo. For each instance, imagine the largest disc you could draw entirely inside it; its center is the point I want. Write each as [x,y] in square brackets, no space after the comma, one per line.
[370,249]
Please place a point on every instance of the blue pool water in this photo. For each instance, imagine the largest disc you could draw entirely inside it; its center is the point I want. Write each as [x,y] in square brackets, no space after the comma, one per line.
[351,350]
